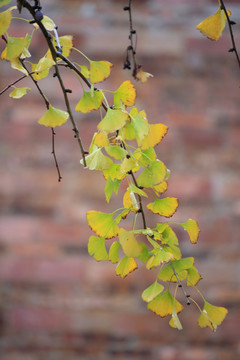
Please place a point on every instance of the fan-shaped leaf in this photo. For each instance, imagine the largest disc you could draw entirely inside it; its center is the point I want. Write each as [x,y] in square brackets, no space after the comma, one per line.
[130,245]
[17,93]
[180,267]
[158,258]
[152,291]
[113,120]
[212,316]
[90,101]
[193,276]
[114,252]
[116,151]
[191,226]
[14,47]
[99,70]
[110,187]
[154,136]
[164,207]
[152,175]
[126,266]
[53,117]
[126,93]
[5,18]
[102,224]
[164,304]
[97,248]
[97,161]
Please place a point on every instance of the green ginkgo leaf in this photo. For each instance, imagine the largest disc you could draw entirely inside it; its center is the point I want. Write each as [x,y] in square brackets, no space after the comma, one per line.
[53,117]
[113,120]
[102,224]
[90,101]
[99,70]
[140,125]
[158,258]
[212,316]
[110,187]
[136,190]
[14,47]
[164,207]
[191,226]
[152,175]
[164,304]
[97,248]
[126,93]
[17,93]
[113,255]
[97,161]
[117,152]
[193,276]
[129,243]
[180,267]
[126,266]
[5,18]
[152,291]
[48,23]
[43,64]
[129,164]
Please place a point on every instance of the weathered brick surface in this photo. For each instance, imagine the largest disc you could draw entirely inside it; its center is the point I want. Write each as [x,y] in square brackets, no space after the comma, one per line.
[56,301]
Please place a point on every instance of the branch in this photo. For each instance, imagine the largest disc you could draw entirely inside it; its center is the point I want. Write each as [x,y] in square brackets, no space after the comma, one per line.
[180,284]
[13,83]
[54,155]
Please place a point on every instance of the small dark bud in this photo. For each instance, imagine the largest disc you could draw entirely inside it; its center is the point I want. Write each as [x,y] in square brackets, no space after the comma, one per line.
[129,172]
[55,74]
[129,48]
[133,31]
[68,91]
[231,50]
[86,152]
[232,22]
[188,302]
[126,8]
[139,211]
[128,156]
[38,15]
[140,187]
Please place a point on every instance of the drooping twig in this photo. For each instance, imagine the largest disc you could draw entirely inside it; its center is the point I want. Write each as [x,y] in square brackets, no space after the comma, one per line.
[54,155]
[180,284]
[230,24]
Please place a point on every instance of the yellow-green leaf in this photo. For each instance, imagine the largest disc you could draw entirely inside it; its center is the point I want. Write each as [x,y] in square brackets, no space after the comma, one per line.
[129,164]
[14,47]
[193,276]
[5,19]
[158,258]
[113,120]
[180,267]
[212,316]
[136,190]
[192,228]
[126,266]
[126,93]
[213,26]
[110,187]
[152,291]
[164,304]
[164,207]
[117,152]
[102,224]
[15,64]
[43,64]
[17,93]
[48,23]
[53,117]
[161,188]
[97,161]
[97,248]
[129,243]
[99,70]
[90,101]
[175,322]
[152,175]
[140,125]
[114,171]
[154,136]
[114,252]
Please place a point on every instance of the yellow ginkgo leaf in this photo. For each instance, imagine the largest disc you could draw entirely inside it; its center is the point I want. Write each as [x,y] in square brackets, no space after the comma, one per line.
[165,304]
[102,224]
[126,93]
[142,76]
[213,26]
[154,136]
[99,70]
[48,23]
[17,93]
[5,19]
[164,207]
[53,117]
[125,266]
[90,101]
[14,48]
[129,243]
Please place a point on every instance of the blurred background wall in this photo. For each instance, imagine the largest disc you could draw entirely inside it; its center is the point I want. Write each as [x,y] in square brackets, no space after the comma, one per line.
[56,301]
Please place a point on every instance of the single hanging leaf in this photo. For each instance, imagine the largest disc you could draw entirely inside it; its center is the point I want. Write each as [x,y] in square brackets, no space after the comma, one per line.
[14,48]
[17,93]
[191,226]
[154,136]
[90,101]
[97,161]
[126,266]
[213,26]
[212,316]
[99,70]
[97,248]
[114,252]
[140,125]
[193,276]
[53,117]
[130,245]
[175,322]
[164,304]
[44,64]
[152,175]
[180,267]
[164,207]
[110,187]
[152,291]
[142,75]
[113,120]
[126,93]
[102,224]
[48,23]
[5,19]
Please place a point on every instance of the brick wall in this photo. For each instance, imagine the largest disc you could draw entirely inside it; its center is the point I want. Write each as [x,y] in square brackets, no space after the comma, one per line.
[56,301]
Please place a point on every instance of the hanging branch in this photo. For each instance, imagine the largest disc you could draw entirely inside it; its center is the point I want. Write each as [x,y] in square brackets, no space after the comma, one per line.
[230,25]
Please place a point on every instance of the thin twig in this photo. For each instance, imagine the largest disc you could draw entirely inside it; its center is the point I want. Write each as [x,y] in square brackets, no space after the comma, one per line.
[230,24]
[13,83]
[54,155]
[180,284]
[140,202]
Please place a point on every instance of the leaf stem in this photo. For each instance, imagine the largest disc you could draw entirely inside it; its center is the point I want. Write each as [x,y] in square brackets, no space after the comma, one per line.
[180,284]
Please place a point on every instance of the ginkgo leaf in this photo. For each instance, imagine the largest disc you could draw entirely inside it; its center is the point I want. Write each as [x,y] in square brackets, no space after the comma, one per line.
[129,243]
[164,304]
[43,64]
[97,161]
[180,267]
[102,224]
[142,75]
[126,93]
[161,188]
[113,255]
[192,228]
[136,190]
[99,70]
[17,93]
[14,47]
[212,316]
[152,175]
[117,152]
[193,276]
[97,248]
[168,235]
[100,139]
[114,171]
[175,322]
[154,136]
[129,164]
[152,291]
[5,19]
[25,54]
[164,207]
[160,257]
[145,157]
[65,43]
[15,64]
[127,202]
[213,26]
[140,125]
[53,117]
[113,120]
[127,132]
[126,266]
[48,23]
[85,71]
[90,101]
[110,187]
